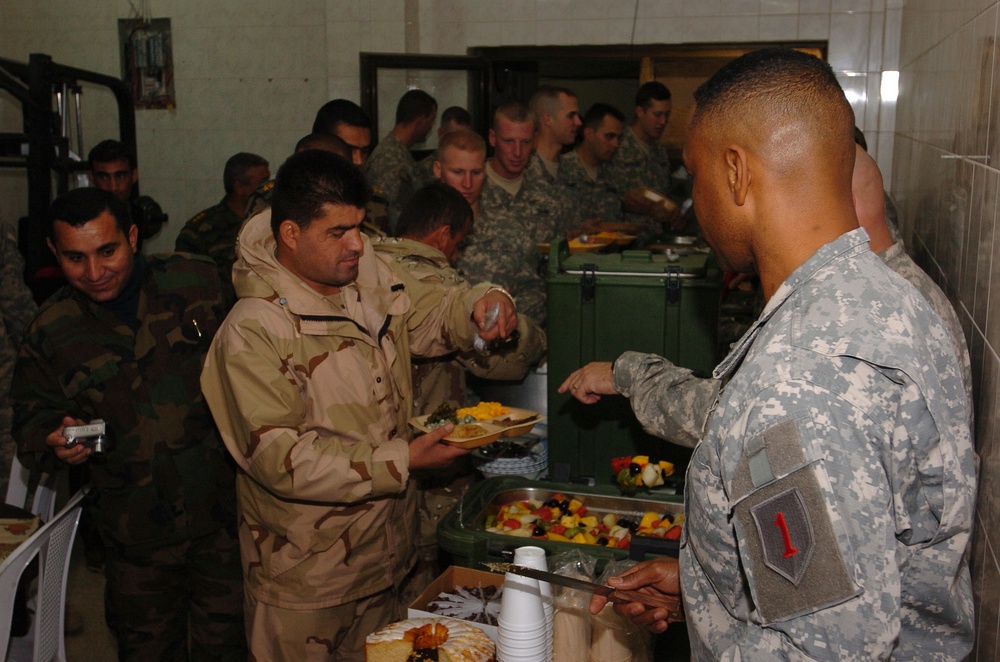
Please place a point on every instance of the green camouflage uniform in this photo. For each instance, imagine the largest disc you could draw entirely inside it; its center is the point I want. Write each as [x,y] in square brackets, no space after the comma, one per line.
[165,490]
[442,379]
[503,246]
[212,232]
[17,309]
[312,395]
[601,200]
[392,170]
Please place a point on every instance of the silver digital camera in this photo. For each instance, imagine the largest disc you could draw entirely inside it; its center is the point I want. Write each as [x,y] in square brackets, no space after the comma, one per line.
[94,435]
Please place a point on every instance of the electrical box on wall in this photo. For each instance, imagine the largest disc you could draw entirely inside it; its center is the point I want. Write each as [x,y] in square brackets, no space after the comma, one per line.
[147,61]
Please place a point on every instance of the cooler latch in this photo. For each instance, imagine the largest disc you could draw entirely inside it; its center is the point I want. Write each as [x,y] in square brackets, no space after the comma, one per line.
[673,285]
[588,281]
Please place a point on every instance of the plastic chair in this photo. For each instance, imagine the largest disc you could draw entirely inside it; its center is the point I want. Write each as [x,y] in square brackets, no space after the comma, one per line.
[51,544]
[43,503]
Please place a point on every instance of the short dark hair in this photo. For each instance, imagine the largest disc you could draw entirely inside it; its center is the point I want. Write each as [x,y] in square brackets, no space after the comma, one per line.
[107,151]
[596,114]
[413,105]
[782,83]
[238,168]
[326,141]
[308,180]
[545,99]
[456,115]
[340,111]
[82,205]
[648,92]
[431,207]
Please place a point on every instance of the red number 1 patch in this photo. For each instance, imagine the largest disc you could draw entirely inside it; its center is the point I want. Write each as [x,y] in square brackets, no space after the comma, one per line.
[780,520]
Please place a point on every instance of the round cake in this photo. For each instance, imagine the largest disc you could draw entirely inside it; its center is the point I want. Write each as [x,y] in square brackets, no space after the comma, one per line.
[430,639]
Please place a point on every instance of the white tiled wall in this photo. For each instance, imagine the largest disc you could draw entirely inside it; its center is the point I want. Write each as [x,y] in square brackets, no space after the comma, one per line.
[949,119]
[250,74]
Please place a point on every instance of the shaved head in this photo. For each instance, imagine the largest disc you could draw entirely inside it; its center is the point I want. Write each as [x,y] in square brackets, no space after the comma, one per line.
[786,104]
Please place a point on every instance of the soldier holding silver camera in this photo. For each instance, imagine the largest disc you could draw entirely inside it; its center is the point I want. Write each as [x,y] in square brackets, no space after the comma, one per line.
[108,375]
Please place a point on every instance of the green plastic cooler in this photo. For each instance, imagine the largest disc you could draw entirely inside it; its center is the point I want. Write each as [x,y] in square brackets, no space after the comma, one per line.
[600,305]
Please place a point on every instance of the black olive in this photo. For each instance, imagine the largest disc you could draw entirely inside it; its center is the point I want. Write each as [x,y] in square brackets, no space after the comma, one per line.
[551,503]
[633,526]
[634,469]
[602,541]
[564,504]
[667,518]
[622,522]
[539,531]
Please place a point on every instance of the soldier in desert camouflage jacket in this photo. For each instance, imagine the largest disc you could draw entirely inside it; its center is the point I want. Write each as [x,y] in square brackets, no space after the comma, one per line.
[124,342]
[17,309]
[846,395]
[309,379]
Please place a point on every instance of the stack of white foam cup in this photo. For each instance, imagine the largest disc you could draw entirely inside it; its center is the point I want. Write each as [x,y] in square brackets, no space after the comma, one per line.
[524,631]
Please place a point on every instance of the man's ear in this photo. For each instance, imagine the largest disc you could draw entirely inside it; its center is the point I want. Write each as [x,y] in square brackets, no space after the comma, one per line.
[436,167]
[493,138]
[439,237]
[133,238]
[288,233]
[737,173]
[52,247]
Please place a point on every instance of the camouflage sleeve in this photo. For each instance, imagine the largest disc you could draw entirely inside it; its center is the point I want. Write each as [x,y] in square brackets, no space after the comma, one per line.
[39,403]
[440,314]
[669,401]
[255,392]
[18,307]
[188,240]
[509,362]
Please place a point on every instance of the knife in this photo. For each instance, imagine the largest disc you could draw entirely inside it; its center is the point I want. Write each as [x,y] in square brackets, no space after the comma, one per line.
[672,605]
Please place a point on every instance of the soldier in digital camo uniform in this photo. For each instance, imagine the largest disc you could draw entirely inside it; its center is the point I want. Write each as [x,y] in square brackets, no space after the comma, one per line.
[583,171]
[846,395]
[124,342]
[516,212]
[674,403]
[309,381]
[17,309]
[391,168]
[212,232]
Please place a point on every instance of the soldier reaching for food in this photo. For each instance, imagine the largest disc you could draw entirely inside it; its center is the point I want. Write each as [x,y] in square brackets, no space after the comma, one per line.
[309,381]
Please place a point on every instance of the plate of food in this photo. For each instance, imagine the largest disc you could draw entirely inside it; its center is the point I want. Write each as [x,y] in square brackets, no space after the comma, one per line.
[479,425]
[593,244]
[616,238]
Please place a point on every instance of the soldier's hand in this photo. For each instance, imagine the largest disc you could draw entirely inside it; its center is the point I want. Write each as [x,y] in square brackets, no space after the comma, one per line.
[428,451]
[76,454]
[506,320]
[590,382]
[658,577]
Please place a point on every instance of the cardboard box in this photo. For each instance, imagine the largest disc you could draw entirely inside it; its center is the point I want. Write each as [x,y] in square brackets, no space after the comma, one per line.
[453,577]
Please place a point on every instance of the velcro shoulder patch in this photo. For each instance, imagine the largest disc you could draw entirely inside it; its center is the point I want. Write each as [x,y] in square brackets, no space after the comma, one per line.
[793,561]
